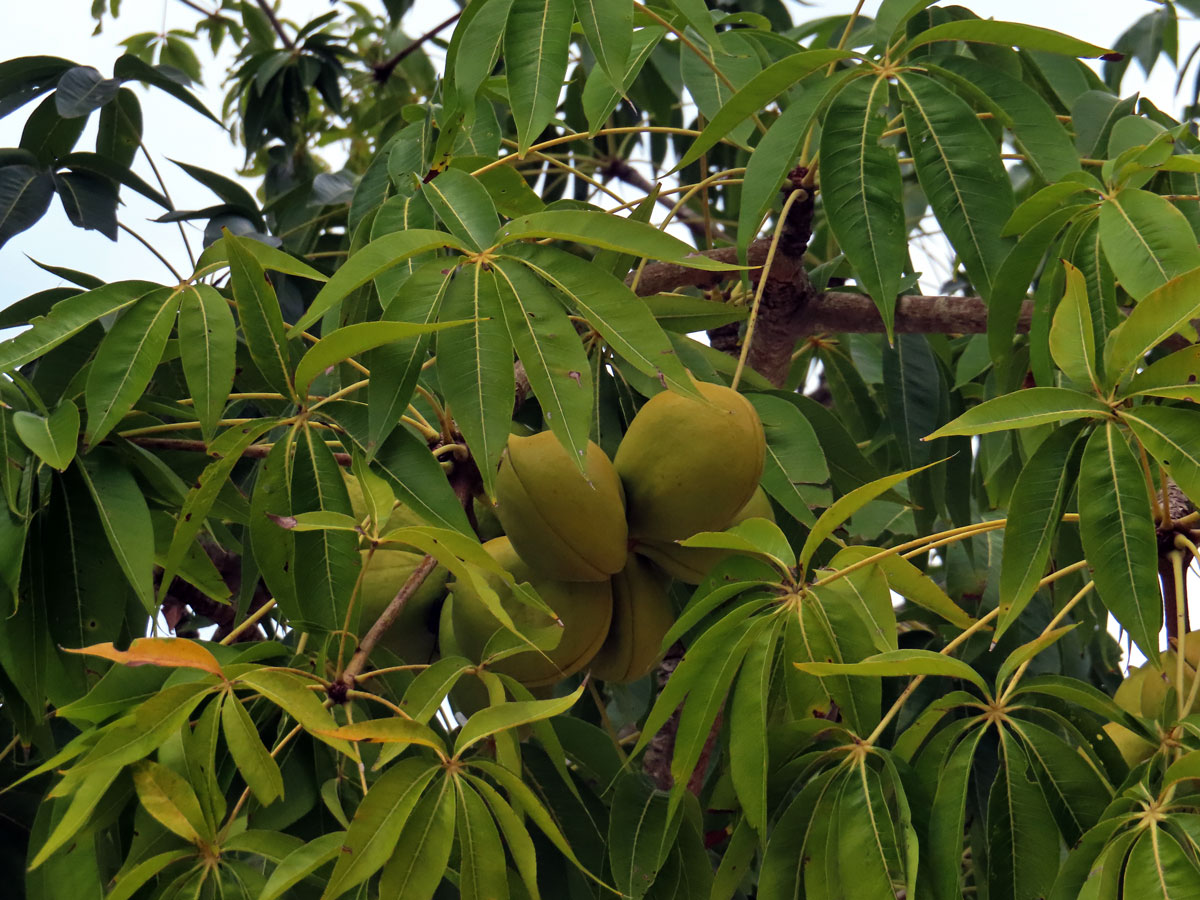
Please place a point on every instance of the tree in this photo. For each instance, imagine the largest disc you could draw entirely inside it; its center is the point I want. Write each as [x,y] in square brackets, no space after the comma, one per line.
[235,503]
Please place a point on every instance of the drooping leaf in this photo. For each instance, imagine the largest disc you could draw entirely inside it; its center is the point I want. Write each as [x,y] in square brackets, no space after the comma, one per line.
[475,366]
[126,520]
[962,175]
[536,42]
[640,834]
[378,823]
[552,354]
[1117,532]
[1007,34]
[1034,513]
[1170,435]
[207,349]
[1158,316]
[1072,339]
[464,206]
[126,360]
[608,27]
[256,765]
[495,719]
[260,316]
[860,181]
[419,863]
[482,869]
[170,800]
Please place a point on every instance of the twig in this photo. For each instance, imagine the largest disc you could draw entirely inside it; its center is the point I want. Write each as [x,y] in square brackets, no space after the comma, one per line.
[385,621]
[167,195]
[383,71]
[275,24]
[145,243]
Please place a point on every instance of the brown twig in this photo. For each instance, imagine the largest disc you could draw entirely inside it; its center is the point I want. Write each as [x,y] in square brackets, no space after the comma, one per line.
[385,621]
[383,71]
[275,24]
[689,218]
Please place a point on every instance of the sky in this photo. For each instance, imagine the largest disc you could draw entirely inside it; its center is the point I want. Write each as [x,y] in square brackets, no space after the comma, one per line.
[64,28]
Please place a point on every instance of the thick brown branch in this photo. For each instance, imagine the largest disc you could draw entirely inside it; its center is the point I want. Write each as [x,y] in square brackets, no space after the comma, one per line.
[386,620]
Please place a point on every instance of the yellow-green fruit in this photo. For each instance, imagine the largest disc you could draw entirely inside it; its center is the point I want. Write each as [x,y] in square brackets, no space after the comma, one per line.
[1128,695]
[642,615]
[689,466]
[413,635]
[584,608]
[1134,748]
[691,565]
[565,526]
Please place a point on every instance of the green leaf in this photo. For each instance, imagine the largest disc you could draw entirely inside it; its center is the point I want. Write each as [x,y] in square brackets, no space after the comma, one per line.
[378,823]
[52,438]
[482,867]
[1171,434]
[1159,868]
[271,259]
[419,863]
[396,368]
[1072,339]
[302,862]
[516,837]
[610,307]
[947,817]
[962,175]
[748,755]
[351,340]
[900,663]
[1034,513]
[792,848]
[207,350]
[260,316]
[1029,650]
[25,194]
[1176,376]
[291,694]
[82,90]
[601,93]
[128,882]
[864,593]
[609,232]
[1043,138]
[1023,847]
[861,184]
[81,807]
[418,481]
[608,27]
[1118,536]
[910,583]
[1024,409]
[327,563]
[126,520]
[536,43]
[844,507]
[230,192]
[126,360]
[228,448]
[794,454]
[552,354]
[1158,316]
[131,68]
[464,206]
[756,94]
[913,389]
[393,731]
[475,366]
[495,719]
[641,831]
[254,762]
[1146,240]
[1006,34]
[370,262]
[69,317]
[170,800]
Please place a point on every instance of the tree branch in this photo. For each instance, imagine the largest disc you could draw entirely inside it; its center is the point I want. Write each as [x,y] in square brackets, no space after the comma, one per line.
[386,620]
[275,24]
[688,217]
[383,71]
